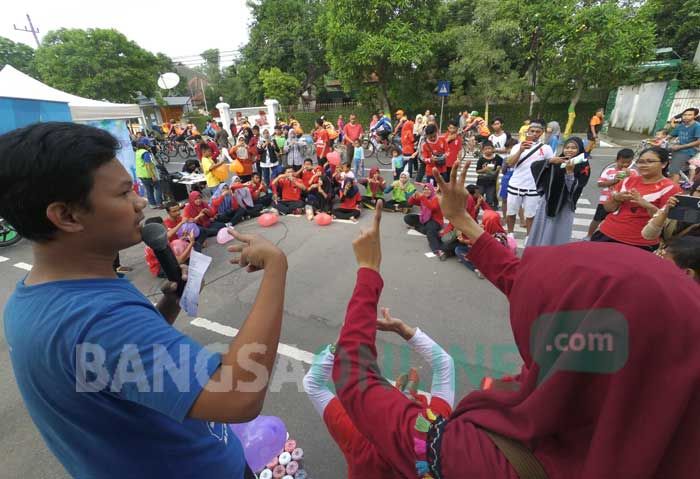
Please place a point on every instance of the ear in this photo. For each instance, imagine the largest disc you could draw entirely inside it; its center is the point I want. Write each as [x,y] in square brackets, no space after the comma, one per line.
[65,218]
[692,273]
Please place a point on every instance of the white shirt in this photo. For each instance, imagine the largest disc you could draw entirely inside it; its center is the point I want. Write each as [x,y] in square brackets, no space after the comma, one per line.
[499,141]
[522,175]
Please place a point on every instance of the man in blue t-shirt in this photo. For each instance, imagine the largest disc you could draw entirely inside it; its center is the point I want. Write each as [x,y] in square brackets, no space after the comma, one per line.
[688,134]
[114,389]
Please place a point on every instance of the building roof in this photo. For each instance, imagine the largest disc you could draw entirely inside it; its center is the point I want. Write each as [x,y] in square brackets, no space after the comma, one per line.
[177,100]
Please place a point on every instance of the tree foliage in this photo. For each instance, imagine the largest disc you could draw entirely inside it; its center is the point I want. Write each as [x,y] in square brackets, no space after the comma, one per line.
[97,63]
[18,55]
[677,24]
[279,85]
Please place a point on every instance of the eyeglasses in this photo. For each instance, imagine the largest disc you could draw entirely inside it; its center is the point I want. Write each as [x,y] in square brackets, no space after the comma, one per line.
[647,162]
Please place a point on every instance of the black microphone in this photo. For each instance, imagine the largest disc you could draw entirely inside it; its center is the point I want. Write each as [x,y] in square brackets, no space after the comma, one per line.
[156,237]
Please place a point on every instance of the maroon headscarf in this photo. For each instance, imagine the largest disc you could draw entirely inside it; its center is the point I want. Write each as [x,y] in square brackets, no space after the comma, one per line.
[642,421]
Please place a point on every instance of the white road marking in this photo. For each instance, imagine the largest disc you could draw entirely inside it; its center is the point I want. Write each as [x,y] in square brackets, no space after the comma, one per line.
[430,254]
[3,259]
[413,232]
[24,266]
[283,349]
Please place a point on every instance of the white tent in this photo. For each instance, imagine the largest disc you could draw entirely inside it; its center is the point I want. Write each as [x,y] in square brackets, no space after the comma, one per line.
[15,84]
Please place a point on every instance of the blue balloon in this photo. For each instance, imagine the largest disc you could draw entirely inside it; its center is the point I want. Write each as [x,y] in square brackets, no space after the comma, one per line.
[262,439]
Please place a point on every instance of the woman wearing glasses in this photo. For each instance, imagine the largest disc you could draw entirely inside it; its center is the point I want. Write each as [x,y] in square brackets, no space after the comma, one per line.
[636,199]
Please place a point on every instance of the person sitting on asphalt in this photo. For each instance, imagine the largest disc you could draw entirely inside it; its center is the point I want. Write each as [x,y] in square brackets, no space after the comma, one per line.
[292,188]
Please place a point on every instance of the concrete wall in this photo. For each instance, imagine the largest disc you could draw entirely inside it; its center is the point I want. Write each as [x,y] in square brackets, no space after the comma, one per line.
[636,107]
[684,99]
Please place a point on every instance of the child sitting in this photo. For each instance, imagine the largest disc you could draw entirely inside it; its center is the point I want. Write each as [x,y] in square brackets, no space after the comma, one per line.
[358,159]
[374,188]
[174,221]
[401,190]
[151,259]
[475,201]
[361,456]
[349,199]
[397,162]
[320,192]
[258,190]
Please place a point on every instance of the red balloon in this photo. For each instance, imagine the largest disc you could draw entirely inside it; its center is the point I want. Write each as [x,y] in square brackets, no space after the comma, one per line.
[323,219]
[268,219]
[178,246]
[333,158]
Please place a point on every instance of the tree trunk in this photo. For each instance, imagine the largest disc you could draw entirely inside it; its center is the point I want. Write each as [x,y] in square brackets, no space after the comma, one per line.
[572,110]
[384,97]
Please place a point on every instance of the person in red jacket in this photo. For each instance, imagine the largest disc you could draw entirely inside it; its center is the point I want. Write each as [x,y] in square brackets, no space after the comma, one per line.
[430,220]
[566,418]
[349,199]
[434,151]
[408,145]
[322,140]
[363,459]
[453,146]
[292,188]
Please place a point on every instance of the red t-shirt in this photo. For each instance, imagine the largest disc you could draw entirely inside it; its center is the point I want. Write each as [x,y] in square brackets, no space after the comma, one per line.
[627,223]
[350,202]
[171,223]
[322,141]
[306,176]
[214,150]
[352,132]
[152,261]
[407,144]
[253,152]
[452,148]
[290,190]
[436,149]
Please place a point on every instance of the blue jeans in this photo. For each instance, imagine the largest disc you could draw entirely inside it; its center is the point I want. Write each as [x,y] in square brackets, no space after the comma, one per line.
[359,166]
[153,193]
[269,174]
[461,253]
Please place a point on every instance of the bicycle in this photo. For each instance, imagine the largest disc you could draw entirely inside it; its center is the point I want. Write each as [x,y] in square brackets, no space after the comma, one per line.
[8,234]
[186,149]
[169,148]
[381,149]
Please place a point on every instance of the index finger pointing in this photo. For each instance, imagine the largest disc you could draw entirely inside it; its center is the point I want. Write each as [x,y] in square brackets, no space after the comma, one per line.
[378,214]
[239,236]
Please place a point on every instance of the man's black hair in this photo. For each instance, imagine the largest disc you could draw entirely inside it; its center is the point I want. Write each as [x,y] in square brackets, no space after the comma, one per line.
[171,204]
[453,123]
[430,129]
[46,163]
[486,144]
[625,153]
[319,121]
[498,118]
[471,189]
[309,160]
[686,252]
[221,125]
[153,219]
[694,110]
[204,147]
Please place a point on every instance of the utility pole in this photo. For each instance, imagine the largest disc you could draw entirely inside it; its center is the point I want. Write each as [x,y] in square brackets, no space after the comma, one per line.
[533,72]
[31,30]
[204,95]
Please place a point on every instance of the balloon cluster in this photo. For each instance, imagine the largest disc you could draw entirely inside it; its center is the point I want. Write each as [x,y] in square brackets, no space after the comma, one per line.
[287,465]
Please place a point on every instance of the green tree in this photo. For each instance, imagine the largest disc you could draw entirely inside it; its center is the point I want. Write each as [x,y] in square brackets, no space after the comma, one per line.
[18,55]
[385,41]
[96,63]
[279,85]
[283,35]
[677,24]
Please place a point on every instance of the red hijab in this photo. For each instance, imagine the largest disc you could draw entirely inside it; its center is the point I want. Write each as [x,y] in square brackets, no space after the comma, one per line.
[642,421]
[192,210]
[491,222]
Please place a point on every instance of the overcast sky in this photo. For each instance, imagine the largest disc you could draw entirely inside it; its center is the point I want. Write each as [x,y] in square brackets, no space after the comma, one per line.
[177,28]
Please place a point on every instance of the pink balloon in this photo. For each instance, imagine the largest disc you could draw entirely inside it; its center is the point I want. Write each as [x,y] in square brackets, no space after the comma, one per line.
[223,236]
[333,158]
[268,219]
[178,246]
[323,219]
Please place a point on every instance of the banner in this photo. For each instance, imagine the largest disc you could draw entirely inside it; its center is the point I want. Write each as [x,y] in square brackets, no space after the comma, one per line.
[118,129]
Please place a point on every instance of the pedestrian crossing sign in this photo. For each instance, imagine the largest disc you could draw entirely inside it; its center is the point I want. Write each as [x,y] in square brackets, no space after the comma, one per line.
[443,88]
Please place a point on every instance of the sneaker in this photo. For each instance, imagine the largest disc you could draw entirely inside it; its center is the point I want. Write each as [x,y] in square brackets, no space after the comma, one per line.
[478,274]
[441,255]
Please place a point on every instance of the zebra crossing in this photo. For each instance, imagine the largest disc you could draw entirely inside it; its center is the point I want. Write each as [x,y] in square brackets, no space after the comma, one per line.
[582,217]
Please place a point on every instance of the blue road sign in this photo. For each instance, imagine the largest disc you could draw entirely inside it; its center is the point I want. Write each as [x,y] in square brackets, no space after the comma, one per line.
[443,88]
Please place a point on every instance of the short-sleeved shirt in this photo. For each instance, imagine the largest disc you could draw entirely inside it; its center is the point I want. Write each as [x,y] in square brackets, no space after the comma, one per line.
[436,148]
[609,174]
[687,134]
[627,223]
[397,161]
[452,148]
[322,142]
[207,164]
[352,132]
[499,141]
[522,175]
[493,163]
[596,123]
[109,383]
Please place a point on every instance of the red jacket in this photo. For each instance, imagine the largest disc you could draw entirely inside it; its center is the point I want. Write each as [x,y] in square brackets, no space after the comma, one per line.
[433,204]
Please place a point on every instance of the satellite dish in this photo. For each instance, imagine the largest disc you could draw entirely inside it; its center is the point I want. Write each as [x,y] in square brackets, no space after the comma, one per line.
[168,80]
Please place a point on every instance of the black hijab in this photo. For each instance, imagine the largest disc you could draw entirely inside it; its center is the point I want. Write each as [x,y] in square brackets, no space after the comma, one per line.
[550,181]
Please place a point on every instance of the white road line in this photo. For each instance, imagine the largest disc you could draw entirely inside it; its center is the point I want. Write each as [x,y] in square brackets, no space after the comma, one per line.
[283,349]
[413,232]
[3,259]
[24,266]
[430,254]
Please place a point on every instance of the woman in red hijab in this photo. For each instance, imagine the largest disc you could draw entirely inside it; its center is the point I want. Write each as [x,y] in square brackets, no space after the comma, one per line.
[624,404]
[203,214]
[429,221]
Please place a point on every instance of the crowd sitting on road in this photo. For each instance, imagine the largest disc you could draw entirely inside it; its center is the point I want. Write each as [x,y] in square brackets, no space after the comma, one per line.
[550,418]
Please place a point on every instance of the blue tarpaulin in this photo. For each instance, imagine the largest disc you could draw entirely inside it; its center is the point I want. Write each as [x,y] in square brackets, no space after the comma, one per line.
[16,112]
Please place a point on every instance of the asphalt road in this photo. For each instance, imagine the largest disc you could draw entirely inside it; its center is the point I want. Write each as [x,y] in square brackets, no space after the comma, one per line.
[468,316]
